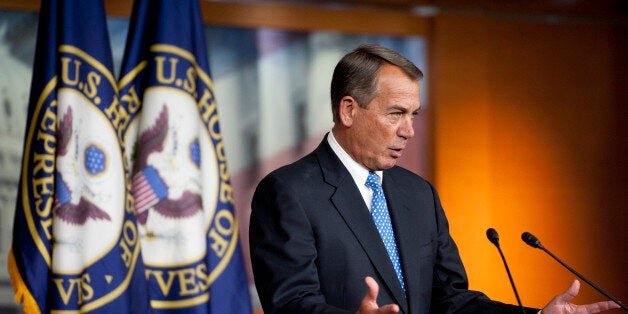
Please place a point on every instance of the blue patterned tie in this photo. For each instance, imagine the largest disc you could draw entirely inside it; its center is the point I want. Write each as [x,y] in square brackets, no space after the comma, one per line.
[379,211]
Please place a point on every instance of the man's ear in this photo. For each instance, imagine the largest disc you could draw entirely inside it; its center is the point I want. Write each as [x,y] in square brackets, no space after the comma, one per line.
[347,110]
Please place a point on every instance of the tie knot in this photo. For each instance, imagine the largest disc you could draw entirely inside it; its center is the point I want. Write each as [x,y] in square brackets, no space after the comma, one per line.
[372,181]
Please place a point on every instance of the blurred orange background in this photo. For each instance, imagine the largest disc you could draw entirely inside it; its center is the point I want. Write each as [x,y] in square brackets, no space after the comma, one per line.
[530,133]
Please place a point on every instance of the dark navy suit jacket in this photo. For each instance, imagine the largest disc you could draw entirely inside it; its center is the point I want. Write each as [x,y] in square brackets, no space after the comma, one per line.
[313,241]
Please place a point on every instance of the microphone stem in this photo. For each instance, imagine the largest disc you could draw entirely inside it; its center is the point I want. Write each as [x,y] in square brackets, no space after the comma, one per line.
[512,283]
[582,277]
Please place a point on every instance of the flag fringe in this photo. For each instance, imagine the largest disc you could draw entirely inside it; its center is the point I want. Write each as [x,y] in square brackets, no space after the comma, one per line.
[22,294]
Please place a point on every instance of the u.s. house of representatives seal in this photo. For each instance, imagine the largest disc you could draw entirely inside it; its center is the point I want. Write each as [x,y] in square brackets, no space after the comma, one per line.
[183,198]
[77,198]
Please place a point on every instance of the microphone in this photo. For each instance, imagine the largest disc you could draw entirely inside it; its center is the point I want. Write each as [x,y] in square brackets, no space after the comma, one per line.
[492,236]
[532,241]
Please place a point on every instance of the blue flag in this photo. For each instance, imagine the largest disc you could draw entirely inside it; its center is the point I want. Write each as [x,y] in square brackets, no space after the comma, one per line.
[76,245]
[181,187]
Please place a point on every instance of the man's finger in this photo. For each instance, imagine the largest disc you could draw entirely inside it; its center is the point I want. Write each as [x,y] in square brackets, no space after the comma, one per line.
[570,293]
[373,289]
[390,308]
[600,306]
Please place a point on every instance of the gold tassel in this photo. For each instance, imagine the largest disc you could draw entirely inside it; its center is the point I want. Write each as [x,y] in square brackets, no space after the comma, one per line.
[22,295]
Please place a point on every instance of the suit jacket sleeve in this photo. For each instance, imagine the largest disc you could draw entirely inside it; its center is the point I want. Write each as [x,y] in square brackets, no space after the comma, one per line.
[283,252]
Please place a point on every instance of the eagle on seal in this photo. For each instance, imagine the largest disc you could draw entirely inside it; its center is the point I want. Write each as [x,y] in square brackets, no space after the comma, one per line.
[76,214]
[149,189]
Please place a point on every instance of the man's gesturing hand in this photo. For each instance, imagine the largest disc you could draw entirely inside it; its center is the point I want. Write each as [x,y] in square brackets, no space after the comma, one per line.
[560,304]
[369,303]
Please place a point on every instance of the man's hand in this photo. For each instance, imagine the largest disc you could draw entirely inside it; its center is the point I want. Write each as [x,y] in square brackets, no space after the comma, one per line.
[369,303]
[560,304]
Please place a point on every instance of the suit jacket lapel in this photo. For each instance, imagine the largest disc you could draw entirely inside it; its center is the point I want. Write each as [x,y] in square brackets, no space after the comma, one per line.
[350,204]
[407,233]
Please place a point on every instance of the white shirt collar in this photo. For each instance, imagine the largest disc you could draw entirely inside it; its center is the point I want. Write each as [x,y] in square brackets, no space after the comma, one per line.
[357,171]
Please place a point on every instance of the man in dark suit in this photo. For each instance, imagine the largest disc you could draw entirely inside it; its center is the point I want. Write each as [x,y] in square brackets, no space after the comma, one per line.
[344,229]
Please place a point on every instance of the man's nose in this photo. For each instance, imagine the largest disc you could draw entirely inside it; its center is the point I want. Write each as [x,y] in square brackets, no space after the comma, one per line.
[406,129]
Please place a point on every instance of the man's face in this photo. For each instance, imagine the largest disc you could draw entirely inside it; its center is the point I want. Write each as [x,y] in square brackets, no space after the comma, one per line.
[379,133]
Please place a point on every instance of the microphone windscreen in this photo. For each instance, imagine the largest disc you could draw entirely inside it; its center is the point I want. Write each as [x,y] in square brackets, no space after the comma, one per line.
[492,236]
[530,240]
